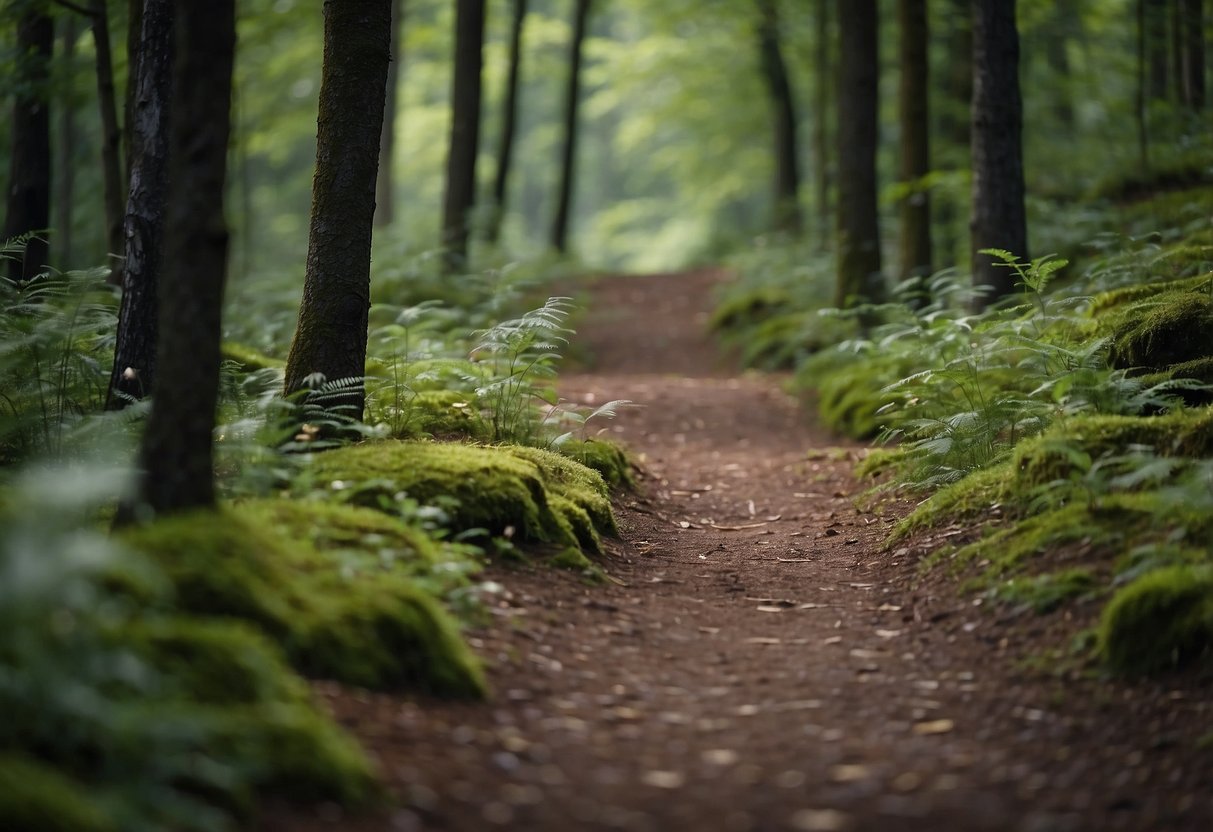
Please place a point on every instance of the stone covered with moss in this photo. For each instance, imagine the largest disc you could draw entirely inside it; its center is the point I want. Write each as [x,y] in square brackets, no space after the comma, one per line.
[373,630]
[1161,621]
[531,494]
[248,358]
[608,459]
[1177,330]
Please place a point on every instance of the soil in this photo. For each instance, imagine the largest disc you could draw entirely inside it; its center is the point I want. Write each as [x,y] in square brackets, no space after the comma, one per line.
[758,660]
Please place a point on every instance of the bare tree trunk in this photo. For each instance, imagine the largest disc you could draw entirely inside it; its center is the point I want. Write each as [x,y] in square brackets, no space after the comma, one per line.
[1194,54]
[385,203]
[914,115]
[1142,105]
[111,137]
[998,219]
[65,156]
[176,456]
[786,192]
[134,33]
[134,372]
[954,126]
[568,159]
[859,279]
[332,332]
[460,195]
[1156,48]
[27,206]
[822,69]
[509,123]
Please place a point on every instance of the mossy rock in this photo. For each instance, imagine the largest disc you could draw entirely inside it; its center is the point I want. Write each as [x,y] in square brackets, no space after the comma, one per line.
[608,459]
[974,496]
[1176,332]
[35,797]
[497,489]
[1161,621]
[248,358]
[435,413]
[374,630]
[1134,296]
[1072,446]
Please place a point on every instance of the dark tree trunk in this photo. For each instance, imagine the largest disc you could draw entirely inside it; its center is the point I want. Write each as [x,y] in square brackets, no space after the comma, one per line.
[176,455]
[134,372]
[568,159]
[1156,48]
[385,203]
[1178,42]
[786,192]
[998,219]
[1142,105]
[111,137]
[28,203]
[954,126]
[65,156]
[134,32]
[509,123]
[823,70]
[1194,54]
[332,332]
[859,279]
[914,115]
[465,133]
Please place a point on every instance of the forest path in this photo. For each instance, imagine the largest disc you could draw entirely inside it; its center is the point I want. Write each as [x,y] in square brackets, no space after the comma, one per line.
[758,662]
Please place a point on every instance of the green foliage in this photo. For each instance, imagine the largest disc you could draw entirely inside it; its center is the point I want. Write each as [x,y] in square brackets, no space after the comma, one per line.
[1178,330]
[1045,593]
[1161,621]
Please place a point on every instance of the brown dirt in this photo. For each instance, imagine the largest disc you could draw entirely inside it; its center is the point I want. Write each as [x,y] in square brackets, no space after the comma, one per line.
[760,663]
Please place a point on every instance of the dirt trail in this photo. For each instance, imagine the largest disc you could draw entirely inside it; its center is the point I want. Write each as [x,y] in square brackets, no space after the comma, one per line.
[760,663]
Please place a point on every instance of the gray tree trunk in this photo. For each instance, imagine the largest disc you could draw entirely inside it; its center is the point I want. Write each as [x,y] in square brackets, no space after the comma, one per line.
[385,203]
[568,159]
[460,196]
[509,123]
[914,116]
[786,192]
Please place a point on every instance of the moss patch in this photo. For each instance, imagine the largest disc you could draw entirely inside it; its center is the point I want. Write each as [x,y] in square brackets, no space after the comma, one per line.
[431,413]
[1161,621]
[248,358]
[38,798]
[377,631]
[977,495]
[1174,332]
[608,459]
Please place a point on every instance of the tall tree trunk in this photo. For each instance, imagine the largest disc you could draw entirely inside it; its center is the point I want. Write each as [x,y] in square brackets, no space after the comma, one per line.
[65,156]
[786,192]
[1142,105]
[28,203]
[176,455]
[954,126]
[509,123]
[568,159]
[998,219]
[460,195]
[1156,46]
[1065,22]
[914,116]
[332,332]
[1194,54]
[134,33]
[111,137]
[385,203]
[823,70]
[134,372]
[1178,42]
[859,278]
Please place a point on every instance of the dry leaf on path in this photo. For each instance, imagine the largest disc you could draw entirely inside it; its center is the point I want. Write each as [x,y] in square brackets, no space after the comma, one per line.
[664,779]
[820,820]
[742,527]
[935,726]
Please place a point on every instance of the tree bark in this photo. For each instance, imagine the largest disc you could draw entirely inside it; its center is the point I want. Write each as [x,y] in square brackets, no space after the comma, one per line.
[1142,104]
[568,159]
[823,70]
[914,115]
[998,219]
[954,126]
[859,279]
[1194,54]
[65,156]
[786,193]
[509,123]
[332,331]
[460,195]
[134,371]
[385,203]
[176,455]
[1156,48]
[134,33]
[28,203]
[111,137]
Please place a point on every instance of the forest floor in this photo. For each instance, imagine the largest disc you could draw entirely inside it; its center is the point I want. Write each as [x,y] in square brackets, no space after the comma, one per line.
[759,661]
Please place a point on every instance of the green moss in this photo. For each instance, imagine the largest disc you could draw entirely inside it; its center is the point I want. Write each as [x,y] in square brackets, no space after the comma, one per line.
[975,496]
[35,797]
[745,308]
[848,401]
[880,461]
[489,488]
[1174,332]
[1045,593]
[374,630]
[1133,296]
[432,413]
[1162,620]
[608,459]
[249,358]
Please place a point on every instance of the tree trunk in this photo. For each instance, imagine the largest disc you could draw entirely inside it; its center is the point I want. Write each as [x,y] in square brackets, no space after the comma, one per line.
[823,70]
[786,192]
[385,203]
[111,138]
[914,115]
[1156,47]
[134,372]
[1142,105]
[954,127]
[65,156]
[176,455]
[28,203]
[1194,54]
[509,123]
[460,195]
[568,159]
[332,332]
[998,219]
[859,279]
[1065,22]
[134,32]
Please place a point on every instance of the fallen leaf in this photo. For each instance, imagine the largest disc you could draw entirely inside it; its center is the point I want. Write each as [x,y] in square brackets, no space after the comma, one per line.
[820,820]
[736,528]
[720,756]
[833,640]
[888,633]
[766,608]
[849,773]
[889,608]
[935,726]
[664,779]
[762,640]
